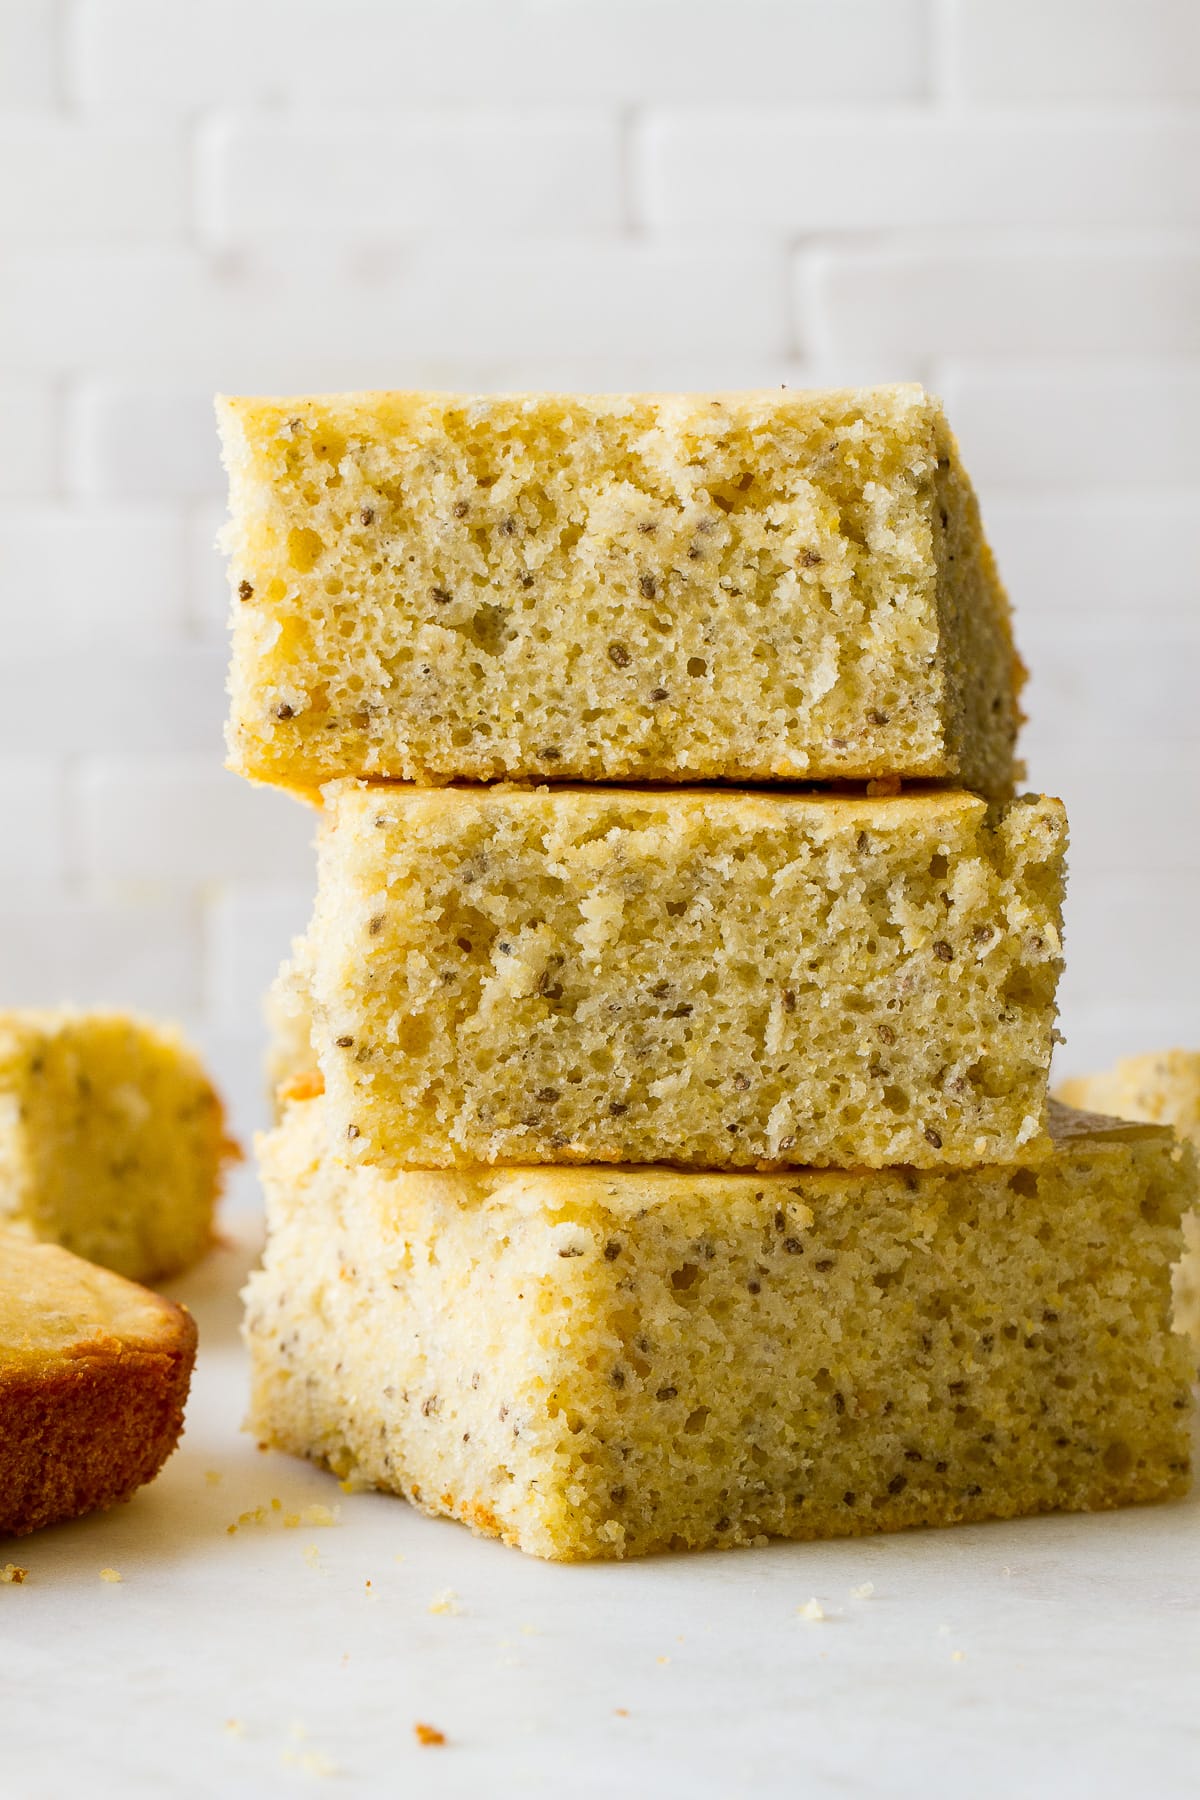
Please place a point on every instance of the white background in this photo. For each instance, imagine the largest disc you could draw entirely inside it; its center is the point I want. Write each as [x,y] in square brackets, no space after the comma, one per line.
[999,197]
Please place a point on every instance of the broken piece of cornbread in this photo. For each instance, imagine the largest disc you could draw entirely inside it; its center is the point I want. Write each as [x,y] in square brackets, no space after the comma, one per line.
[112,1139]
[1164,1087]
[710,978]
[750,587]
[94,1373]
[605,1362]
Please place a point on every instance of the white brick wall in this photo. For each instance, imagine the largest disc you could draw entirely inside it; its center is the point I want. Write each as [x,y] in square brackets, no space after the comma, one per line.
[999,197]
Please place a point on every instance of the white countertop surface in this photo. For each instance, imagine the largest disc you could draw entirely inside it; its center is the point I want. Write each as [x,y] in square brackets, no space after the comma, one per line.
[1056,1656]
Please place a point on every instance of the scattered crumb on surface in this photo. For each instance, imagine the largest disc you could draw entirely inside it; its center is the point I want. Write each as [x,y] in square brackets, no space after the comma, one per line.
[959,1656]
[622,1712]
[399,1556]
[111,1575]
[320,1515]
[428,1734]
[530,1631]
[274,1513]
[13,1574]
[662,1659]
[312,1555]
[864,1592]
[309,1762]
[812,1609]
[445,1602]
[235,1728]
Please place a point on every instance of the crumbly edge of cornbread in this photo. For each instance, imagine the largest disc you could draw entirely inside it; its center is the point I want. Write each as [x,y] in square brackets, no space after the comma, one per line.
[604,1363]
[984,674]
[113,1141]
[752,586]
[94,1375]
[1163,1087]
[714,979]
[290,1059]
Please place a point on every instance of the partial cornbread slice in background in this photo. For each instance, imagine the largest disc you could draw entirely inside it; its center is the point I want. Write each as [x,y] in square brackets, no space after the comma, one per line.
[712,978]
[112,1139]
[752,587]
[605,1362]
[290,1061]
[1162,1086]
[94,1373]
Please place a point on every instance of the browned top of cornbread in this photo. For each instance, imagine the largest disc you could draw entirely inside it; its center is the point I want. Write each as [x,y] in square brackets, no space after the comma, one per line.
[94,1373]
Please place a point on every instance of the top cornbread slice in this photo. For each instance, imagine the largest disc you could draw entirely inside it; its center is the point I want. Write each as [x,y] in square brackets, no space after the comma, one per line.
[746,587]
[709,977]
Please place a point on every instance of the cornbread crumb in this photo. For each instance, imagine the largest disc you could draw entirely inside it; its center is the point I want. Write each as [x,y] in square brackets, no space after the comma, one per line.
[864,1592]
[428,1734]
[320,1515]
[445,1602]
[958,1656]
[13,1574]
[94,1373]
[723,980]
[111,1575]
[312,1555]
[309,1762]
[112,1140]
[812,1609]
[702,1369]
[436,586]
[235,1728]
[1164,1088]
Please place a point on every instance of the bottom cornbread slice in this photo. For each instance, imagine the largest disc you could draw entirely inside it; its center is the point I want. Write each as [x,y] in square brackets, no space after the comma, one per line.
[605,1362]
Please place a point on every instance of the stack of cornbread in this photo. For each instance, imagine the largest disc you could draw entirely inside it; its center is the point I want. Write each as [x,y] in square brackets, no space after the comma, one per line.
[668,1161]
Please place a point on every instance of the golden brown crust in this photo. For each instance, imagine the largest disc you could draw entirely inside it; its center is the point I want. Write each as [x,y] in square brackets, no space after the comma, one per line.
[90,1413]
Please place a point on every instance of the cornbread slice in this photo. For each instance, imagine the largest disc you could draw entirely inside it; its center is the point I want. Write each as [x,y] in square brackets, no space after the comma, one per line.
[605,1362]
[112,1140]
[746,586]
[1163,1087]
[289,1063]
[94,1373]
[708,978]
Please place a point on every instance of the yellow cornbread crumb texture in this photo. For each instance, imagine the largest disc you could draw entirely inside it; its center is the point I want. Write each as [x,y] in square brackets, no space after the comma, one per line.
[289,1061]
[715,979]
[112,1140]
[606,1362]
[1162,1087]
[12,1574]
[760,586]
